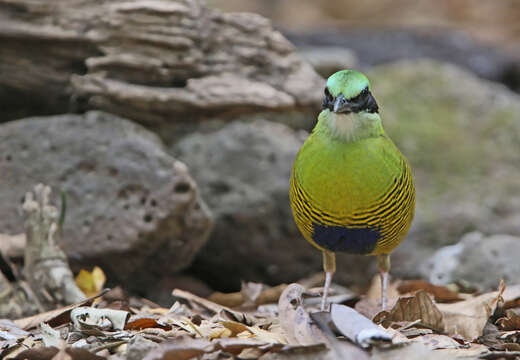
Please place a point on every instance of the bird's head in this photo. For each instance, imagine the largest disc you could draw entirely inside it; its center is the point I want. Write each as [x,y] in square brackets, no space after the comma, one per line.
[348,91]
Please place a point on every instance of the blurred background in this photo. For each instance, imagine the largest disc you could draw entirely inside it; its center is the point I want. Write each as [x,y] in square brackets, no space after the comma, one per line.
[171,127]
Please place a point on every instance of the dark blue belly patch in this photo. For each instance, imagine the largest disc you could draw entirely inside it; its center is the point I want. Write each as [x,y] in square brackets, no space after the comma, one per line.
[350,240]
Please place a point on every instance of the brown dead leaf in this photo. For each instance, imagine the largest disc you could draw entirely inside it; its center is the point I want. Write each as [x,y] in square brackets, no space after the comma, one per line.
[180,348]
[511,321]
[236,345]
[50,353]
[311,352]
[257,294]
[467,318]
[418,307]
[227,299]
[440,293]
[54,317]
[511,297]
[140,323]
[215,308]
[234,326]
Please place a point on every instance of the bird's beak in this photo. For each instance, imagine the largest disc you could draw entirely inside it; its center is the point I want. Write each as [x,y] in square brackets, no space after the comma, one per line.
[341,105]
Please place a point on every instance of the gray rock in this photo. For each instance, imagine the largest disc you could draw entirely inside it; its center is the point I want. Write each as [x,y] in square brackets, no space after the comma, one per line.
[460,134]
[326,60]
[130,206]
[376,46]
[243,171]
[157,62]
[480,260]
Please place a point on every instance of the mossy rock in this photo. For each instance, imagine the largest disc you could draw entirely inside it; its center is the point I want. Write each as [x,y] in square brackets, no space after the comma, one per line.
[462,137]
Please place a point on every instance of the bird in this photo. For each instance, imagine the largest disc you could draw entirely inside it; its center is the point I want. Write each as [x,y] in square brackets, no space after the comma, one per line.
[351,189]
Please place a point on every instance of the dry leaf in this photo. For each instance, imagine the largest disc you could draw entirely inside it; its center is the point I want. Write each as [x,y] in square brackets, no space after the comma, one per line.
[267,295]
[437,341]
[213,307]
[356,327]
[296,323]
[267,336]
[236,345]
[227,299]
[511,297]
[440,293]
[50,336]
[92,282]
[234,326]
[467,318]
[54,317]
[104,319]
[10,334]
[418,307]
[49,353]
[509,322]
[140,323]
[180,348]
[250,353]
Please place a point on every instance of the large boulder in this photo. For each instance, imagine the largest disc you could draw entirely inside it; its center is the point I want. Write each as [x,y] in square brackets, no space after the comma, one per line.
[477,259]
[131,208]
[243,171]
[460,134]
[164,63]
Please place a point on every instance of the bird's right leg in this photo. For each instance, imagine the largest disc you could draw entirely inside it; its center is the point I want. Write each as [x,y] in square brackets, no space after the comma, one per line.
[329,266]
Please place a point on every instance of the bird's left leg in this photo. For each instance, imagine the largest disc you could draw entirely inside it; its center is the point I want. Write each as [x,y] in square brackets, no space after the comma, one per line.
[329,266]
[383,264]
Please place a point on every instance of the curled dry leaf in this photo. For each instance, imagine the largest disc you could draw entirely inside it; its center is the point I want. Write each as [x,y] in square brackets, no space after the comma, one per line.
[418,307]
[104,319]
[467,318]
[296,323]
[356,327]
[440,293]
[55,317]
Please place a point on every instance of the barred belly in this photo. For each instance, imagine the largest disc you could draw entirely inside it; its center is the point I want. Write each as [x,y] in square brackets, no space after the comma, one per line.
[374,230]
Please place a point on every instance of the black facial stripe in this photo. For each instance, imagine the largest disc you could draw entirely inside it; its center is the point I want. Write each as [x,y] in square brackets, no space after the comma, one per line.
[364,101]
[328,100]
